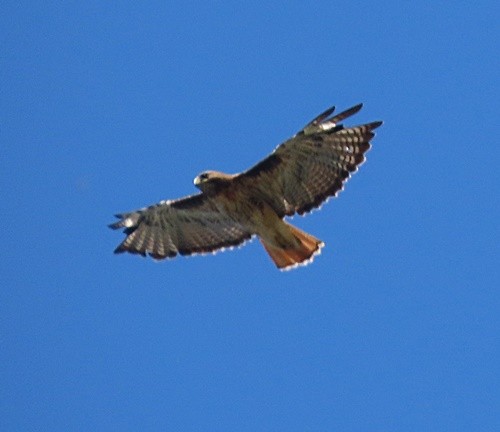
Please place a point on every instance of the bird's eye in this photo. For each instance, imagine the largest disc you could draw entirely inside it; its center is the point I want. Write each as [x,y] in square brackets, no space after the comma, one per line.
[203,176]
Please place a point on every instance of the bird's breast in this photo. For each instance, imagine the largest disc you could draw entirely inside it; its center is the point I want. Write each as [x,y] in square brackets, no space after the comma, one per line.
[243,207]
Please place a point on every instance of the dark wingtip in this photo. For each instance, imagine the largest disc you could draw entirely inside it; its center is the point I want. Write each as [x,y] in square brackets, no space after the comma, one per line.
[347,113]
[357,107]
[120,249]
[317,120]
[376,124]
[353,110]
[114,225]
[326,114]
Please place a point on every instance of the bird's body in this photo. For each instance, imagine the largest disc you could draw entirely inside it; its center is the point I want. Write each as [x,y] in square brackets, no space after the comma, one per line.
[297,177]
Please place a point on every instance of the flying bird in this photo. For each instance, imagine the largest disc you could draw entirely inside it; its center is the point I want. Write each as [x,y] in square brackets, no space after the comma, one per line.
[298,176]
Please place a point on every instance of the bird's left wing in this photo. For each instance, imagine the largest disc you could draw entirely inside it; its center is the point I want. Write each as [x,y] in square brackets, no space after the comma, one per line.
[185,226]
[313,165]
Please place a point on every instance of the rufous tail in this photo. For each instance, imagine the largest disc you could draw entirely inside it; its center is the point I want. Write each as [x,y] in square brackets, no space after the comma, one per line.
[288,258]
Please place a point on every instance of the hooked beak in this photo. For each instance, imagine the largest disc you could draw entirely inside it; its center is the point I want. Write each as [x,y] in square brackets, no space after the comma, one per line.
[197,180]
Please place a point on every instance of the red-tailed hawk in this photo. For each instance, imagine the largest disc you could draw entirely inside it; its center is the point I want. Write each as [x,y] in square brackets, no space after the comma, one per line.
[296,177]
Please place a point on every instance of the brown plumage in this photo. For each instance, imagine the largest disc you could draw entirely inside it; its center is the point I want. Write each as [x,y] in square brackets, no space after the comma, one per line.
[298,176]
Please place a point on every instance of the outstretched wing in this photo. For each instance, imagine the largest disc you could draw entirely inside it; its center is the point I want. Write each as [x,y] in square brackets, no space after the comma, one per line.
[185,226]
[304,171]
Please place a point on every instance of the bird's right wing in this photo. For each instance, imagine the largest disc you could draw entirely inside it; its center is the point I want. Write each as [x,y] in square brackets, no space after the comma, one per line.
[185,226]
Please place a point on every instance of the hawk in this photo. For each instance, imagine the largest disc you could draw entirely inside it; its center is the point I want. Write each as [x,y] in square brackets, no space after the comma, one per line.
[298,176]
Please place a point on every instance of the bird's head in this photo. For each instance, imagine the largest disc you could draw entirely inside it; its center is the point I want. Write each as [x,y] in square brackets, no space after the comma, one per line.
[210,180]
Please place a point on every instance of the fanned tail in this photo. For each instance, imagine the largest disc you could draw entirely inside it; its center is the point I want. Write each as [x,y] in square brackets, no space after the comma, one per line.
[288,258]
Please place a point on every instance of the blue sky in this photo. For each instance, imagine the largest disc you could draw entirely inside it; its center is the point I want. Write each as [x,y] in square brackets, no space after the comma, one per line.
[107,108]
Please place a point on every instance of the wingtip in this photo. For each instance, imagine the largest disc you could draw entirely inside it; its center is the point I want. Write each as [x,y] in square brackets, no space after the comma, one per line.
[120,249]
[114,225]
[356,108]
[347,113]
[322,117]
[328,112]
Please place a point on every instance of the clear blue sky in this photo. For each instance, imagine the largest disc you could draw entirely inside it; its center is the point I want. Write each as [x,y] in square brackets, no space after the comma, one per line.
[108,108]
